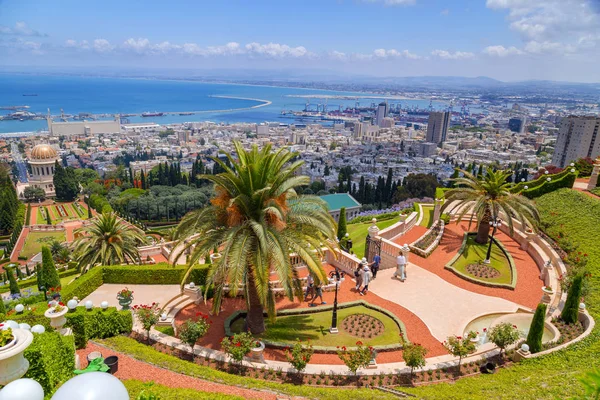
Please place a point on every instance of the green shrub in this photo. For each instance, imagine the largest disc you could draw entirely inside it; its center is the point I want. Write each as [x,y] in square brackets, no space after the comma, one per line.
[97,323]
[84,285]
[13,286]
[2,307]
[380,217]
[49,273]
[33,315]
[559,181]
[571,308]
[536,331]
[51,359]
[341,226]
[33,281]
[28,215]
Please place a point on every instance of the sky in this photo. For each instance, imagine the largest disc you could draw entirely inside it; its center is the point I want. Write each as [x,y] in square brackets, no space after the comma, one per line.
[510,40]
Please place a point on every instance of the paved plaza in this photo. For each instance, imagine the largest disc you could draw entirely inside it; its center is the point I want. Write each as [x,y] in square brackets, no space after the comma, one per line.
[142,294]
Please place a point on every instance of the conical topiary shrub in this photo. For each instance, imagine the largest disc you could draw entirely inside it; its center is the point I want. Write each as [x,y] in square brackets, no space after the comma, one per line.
[571,308]
[536,331]
[50,278]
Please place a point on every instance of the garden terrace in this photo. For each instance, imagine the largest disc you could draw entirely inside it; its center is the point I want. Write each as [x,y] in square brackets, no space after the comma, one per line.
[468,263]
[35,240]
[426,244]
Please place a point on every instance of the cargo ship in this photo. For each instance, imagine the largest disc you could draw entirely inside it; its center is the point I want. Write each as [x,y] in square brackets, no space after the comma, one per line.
[152,114]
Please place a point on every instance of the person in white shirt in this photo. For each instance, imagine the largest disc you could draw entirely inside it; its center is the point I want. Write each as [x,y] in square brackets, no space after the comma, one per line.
[367,277]
[400,267]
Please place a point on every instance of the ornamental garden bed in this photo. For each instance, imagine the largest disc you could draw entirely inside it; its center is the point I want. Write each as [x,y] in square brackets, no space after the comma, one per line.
[312,325]
[427,243]
[35,240]
[468,264]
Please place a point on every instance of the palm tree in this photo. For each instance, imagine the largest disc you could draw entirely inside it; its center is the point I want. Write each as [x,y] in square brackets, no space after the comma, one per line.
[256,219]
[107,241]
[487,197]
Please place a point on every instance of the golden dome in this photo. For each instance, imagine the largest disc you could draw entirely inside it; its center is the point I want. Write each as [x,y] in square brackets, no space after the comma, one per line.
[43,152]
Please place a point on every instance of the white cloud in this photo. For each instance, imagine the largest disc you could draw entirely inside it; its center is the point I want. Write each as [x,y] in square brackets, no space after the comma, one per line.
[337,55]
[548,47]
[551,24]
[457,55]
[390,54]
[276,50]
[20,29]
[501,51]
[445,11]
[102,46]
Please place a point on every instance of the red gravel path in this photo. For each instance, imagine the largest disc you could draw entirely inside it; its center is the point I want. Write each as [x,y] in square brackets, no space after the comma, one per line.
[528,289]
[417,331]
[130,368]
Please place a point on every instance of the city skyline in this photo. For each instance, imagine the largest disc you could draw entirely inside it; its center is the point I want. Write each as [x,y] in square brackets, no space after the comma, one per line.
[507,40]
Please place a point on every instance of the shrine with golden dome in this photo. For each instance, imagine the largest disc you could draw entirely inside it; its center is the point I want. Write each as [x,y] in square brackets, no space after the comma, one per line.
[41,160]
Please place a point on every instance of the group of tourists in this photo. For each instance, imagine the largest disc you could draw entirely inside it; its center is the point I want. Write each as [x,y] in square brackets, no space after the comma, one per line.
[313,291]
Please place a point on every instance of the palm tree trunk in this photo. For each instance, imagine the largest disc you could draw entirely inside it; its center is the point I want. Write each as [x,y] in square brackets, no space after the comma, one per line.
[255,317]
[483,231]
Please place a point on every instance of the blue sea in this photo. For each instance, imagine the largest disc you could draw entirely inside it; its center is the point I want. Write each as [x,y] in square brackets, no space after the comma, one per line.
[96,95]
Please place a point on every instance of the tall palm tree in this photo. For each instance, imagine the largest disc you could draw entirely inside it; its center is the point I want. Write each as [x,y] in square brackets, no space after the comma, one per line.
[107,241]
[256,219]
[488,197]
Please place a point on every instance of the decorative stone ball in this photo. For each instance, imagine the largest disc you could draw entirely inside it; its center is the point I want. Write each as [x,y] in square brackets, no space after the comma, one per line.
[20,308]
[22,389]
[72,304]
[10,324]
[25,326]
[104,305]
[547,172]
[89,304]
[572,164]
[38,329]
[525,187]
[92,386]
[572,170]
[522,179]
[525,347]
[163,316]
[548,179]
[192,285]
[582,306]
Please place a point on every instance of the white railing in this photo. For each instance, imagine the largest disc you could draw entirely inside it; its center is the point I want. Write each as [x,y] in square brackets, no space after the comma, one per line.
[399,228]
[46,228]
[427,252]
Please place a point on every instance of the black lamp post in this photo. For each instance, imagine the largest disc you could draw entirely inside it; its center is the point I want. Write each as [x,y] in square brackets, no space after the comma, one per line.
[495,223]
[339,277]
[43,289]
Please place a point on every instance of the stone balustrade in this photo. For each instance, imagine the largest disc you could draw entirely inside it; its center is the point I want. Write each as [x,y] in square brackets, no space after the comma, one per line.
[400,227]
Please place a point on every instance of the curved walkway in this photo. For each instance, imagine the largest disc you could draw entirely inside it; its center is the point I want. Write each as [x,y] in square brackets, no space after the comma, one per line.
[130,368]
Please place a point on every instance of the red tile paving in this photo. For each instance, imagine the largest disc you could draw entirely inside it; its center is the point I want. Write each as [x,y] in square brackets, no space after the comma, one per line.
[417,331]
[130,368]
[528,289]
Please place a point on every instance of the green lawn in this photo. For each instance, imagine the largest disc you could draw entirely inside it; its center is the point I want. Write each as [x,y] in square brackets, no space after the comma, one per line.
[40,218]
[314,327]
[358,234]
[554,376]
[427,216]
[35,241]
[475,252]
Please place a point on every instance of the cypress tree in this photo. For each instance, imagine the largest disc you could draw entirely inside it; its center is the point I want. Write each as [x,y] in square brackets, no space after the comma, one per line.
[14,286]
[143,180]
[27,271]
[387,193]
[571,308]
[536,331]
[131,177]
[50,277]
[38,275]
[2,307]
[341,229]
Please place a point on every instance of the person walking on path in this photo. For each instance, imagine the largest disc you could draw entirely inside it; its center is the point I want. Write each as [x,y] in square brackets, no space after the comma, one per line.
[319,294]
[375,265]
[400,267]
[358,274]
[310,288]
[367,276]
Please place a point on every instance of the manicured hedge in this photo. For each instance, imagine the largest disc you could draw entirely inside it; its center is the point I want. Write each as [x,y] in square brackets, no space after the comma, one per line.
[97,323]
[23,284]
[51,359]
[162,273]
[33,315]
[565,181]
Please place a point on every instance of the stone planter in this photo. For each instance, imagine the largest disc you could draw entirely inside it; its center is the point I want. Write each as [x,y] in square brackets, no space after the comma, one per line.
[57,319]
[403,217]
[215,257]
[13,365]
[125,302]
[547,293]
[256,354]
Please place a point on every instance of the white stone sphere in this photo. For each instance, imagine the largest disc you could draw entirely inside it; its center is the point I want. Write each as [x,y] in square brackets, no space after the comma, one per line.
[548,179]
[525,187]
[192,285]
[22,389]
[25,326]
[92,386]
[104,305]
[10,324]
[38,329]
[89,304]
[582,306]
[525,347]
[20,308]
[72,304]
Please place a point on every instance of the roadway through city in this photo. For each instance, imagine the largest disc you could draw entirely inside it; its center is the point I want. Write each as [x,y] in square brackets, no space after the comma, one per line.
[19,162]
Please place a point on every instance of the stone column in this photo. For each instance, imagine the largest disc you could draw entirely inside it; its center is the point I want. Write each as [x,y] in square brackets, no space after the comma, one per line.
[437,207]
[373,235]
[595,172]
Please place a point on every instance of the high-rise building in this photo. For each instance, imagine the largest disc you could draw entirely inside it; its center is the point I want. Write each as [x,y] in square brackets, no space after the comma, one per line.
[381,113]
[577,137]
[517,124]
[437,126]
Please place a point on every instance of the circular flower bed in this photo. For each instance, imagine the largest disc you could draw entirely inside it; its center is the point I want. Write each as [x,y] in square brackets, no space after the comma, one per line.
[363,326]
[482,271]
